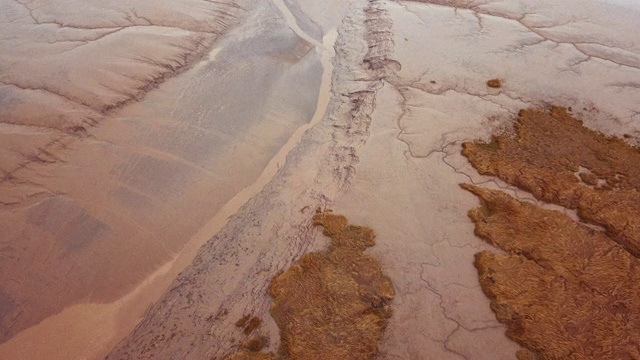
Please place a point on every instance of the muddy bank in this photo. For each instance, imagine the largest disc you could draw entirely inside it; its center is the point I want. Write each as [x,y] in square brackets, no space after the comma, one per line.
[110,214]
[373,130]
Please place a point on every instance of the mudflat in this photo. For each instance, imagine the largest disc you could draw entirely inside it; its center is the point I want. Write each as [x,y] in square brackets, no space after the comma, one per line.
[112,168]
[162,163]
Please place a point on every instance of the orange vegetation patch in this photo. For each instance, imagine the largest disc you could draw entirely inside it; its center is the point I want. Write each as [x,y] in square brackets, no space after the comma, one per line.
[333,304]
[564,289]
[249,355]
[560,161]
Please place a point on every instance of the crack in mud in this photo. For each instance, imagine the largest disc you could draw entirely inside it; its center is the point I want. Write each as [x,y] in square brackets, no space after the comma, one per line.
[579,46]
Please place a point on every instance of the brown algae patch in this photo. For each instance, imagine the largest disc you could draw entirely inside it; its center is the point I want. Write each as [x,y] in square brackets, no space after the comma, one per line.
[252,325]
[249,355]
[242,322]
[256,344]
[554,157]
[564,289]
[251,350]
[494,83]
[332,304]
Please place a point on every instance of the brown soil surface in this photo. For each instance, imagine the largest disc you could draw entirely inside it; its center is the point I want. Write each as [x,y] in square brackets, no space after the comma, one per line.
[565,290]
[333,304]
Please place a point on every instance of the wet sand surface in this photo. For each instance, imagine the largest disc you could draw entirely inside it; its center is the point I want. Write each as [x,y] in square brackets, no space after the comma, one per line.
[130,140]
[112,207]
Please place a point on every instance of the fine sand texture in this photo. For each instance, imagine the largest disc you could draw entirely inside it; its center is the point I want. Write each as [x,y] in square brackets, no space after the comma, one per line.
[161,162]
